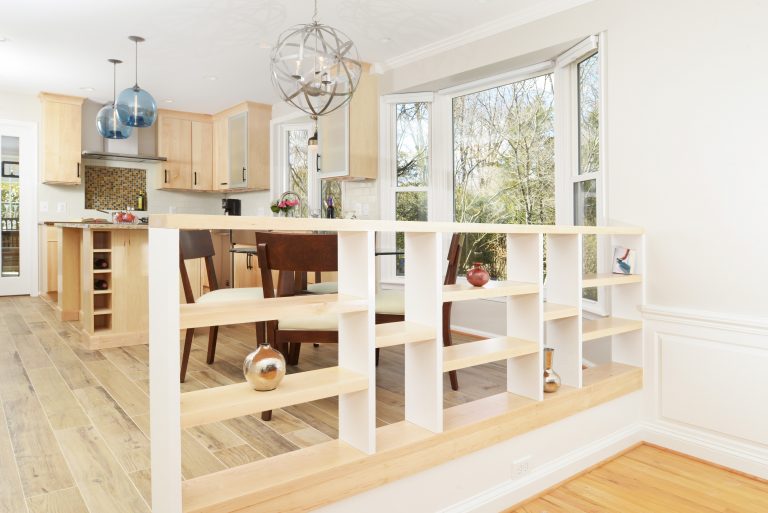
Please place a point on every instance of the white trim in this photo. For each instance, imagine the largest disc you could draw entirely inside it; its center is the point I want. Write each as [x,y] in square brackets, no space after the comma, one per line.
[576,52]
[706,319]
[535,12]
[534,70]
[391,99]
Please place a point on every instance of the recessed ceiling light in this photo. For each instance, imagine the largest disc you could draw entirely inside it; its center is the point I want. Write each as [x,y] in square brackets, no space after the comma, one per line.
[265,46]
[168,100]
[210,77]
[88,89]
[385,40]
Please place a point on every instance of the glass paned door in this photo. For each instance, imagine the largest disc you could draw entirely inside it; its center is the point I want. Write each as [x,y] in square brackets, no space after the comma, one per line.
[15,229]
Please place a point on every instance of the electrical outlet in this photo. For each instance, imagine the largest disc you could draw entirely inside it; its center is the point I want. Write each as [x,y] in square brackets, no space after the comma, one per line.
[43,206]
[61,207]
[521,467]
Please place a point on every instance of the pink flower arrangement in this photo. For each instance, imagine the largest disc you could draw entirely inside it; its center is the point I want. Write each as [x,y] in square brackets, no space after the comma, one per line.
[283,205]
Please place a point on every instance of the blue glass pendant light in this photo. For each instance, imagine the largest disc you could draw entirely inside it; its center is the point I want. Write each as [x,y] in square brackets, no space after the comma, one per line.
[135,106]
[107,120]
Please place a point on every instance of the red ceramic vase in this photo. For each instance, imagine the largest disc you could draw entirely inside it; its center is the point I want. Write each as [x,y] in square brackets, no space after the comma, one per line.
[478,276]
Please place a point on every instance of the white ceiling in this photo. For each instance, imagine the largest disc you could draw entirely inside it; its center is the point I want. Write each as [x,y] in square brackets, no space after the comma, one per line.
[63,46]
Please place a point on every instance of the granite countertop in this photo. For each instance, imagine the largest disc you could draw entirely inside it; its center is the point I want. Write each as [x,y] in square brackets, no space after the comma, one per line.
[102,226]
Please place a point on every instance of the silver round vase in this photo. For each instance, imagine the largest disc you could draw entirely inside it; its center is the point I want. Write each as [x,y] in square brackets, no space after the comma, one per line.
[264,368]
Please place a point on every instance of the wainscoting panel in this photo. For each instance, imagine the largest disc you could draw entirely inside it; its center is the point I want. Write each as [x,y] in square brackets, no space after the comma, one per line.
[715,385]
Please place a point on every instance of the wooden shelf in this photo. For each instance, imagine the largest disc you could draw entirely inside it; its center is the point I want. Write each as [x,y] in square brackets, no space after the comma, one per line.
[554,311]
[470,354]
[607,326]
[226,402]
[221,313]
[600,373]
[465,291]
[102,271]
[605,279]
[102,311]
[101,250]
[396,333]
[108,291]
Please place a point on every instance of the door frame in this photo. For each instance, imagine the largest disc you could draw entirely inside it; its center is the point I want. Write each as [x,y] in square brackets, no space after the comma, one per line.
[29,252]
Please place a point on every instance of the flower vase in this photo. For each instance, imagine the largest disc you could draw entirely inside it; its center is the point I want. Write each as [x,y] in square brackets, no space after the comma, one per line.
[551,378]
[478,276]
[264,368]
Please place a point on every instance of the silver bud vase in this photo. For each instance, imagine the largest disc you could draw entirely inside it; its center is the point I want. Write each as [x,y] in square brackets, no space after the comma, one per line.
[551,378]
[264,368]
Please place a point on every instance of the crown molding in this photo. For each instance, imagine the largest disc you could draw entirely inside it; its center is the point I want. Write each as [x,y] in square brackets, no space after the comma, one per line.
[531,14]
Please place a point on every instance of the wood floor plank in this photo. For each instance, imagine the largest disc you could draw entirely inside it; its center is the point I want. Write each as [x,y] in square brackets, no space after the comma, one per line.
[57,399]
[124,361]
[66,361]
[129,396]
[307,437]
[31,352]
[142,480]
[239,455]
[11,492]
[216,436]
[196,460]
[126,441]
[102,482]
[61,501]
[262,438]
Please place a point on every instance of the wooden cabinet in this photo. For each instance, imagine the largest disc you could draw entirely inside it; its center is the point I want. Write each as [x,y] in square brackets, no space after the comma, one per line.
[246,269]
[186,140]
[241,147]
[61,138]
[349,137]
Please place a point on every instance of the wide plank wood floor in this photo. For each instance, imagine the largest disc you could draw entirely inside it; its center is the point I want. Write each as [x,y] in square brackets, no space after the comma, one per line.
[74,423]
[648,479]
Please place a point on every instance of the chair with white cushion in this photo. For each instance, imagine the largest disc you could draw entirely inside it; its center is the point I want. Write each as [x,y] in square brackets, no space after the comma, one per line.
[199,244]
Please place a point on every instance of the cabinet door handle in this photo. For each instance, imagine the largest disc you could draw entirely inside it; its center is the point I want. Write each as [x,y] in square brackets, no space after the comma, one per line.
[243,173]
[165,180]
[78,169]
[194,175]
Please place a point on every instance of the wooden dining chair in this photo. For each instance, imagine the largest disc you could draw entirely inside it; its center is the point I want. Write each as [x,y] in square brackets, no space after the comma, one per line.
[390,304]
[294,255]
[199,244]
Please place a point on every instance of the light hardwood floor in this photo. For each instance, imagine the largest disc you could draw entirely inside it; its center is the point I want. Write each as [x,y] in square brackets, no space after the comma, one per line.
[74,423]
[648,479]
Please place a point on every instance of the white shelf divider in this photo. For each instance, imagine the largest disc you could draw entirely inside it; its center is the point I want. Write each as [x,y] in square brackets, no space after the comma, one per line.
[164,367]
[564,287]
[525,314]
[424,305]
[357,339]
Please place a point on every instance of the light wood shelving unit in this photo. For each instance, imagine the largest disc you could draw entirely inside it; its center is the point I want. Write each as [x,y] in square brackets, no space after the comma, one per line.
[364,456]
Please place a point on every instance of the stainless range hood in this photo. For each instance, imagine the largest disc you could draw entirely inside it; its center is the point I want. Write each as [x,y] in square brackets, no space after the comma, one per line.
[141,146]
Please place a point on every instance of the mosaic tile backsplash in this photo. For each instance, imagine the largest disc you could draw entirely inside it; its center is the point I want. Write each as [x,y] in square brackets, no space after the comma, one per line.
[113,188]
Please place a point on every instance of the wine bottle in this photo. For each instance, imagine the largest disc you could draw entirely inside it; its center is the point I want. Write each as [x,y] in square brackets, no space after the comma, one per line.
[100,285]
[330,212]
[100,263]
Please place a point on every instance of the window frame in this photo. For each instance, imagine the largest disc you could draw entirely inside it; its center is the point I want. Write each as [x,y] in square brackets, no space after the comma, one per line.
[282,180]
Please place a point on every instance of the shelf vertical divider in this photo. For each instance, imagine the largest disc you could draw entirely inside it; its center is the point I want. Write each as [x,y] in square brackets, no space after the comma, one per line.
[525,314]
[164,367]
[628,347]
[564,287]
[424,305]
[357,338]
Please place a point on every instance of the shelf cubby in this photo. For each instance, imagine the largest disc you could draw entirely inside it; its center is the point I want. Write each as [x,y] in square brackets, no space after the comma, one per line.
[469,354]
[102,240]
[465,291]
[230,401]
[102,321]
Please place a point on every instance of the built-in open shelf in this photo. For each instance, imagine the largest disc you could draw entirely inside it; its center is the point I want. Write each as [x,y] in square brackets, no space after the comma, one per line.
[102,250]
[489,350]
[595,375]
[102,271]
[465,291]
[554,311]
[108,291]
[605,279]
[226,402]
[102,311]
[197,315]
[404,332]
[607,326]
[102,321]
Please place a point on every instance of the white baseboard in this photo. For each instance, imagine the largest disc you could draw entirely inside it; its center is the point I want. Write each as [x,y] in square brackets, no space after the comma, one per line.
[740,456]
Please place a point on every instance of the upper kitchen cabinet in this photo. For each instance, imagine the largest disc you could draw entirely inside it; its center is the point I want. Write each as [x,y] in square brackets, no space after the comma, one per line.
[186,140]
[62,138]
[241,147]
[348,137]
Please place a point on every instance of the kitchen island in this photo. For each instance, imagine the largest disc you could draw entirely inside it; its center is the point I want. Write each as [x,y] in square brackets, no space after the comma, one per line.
[102,282]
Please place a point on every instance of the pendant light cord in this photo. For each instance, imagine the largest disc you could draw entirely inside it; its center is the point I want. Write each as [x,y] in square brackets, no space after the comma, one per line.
[136,83]
[114,83]
[314,16]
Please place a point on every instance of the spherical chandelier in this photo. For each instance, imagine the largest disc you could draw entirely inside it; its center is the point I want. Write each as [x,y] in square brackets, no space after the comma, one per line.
[315,67]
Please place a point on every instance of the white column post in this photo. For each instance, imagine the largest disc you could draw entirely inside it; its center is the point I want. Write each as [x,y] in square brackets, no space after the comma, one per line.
[424,305]
[357,339]
[525,374]
[164,389]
